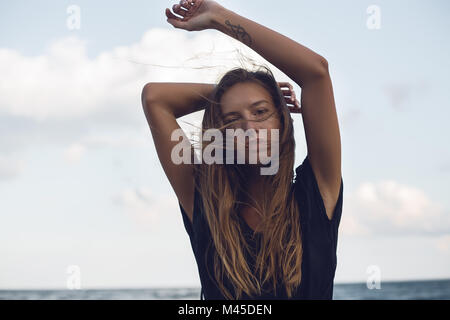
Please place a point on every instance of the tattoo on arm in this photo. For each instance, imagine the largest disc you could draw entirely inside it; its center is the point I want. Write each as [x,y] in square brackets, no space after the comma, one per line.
[239,33]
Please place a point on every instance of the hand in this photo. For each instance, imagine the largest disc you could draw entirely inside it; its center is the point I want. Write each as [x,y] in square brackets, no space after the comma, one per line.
[195,15]
[289,96]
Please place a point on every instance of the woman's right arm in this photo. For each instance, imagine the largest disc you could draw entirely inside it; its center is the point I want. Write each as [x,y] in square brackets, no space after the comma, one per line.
[163,103]
[179,99]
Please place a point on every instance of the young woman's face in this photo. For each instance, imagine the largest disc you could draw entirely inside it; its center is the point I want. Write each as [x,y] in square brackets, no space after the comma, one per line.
[245,103]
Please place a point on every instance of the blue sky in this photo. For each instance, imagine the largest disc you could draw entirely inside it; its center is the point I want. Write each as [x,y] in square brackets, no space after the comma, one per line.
[80,181]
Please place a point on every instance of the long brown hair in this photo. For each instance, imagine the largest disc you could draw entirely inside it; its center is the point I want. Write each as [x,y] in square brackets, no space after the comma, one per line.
[221,187]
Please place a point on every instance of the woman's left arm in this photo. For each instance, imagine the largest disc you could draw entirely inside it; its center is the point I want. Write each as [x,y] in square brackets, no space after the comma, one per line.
[307,68]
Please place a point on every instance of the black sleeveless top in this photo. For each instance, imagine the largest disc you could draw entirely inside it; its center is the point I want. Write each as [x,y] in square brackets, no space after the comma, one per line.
[319,241]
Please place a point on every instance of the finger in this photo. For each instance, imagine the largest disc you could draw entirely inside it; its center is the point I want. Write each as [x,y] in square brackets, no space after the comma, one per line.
[290,93]
[183,6]
[297,106]
[289,100]
[295,110]
[179,10]
[177,23]
[286,84]
[170,15]
[293,104]
[286,94]
[186,4]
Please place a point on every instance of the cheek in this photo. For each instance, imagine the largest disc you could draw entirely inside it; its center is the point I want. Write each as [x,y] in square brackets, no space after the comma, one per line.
[271,124]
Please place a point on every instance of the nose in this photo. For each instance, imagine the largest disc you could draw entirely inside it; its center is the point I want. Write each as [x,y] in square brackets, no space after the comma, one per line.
[249,124]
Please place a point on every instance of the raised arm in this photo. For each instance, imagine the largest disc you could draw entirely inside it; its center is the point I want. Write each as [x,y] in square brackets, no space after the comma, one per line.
[307,68]
[163,103]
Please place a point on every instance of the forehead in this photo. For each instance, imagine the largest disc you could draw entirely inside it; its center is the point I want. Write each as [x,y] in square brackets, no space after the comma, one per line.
[242,95]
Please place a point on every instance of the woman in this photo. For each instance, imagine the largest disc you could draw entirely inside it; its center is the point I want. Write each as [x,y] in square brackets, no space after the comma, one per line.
[256,236]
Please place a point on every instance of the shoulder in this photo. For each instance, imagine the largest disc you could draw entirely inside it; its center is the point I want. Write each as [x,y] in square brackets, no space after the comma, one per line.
[308,182]
[195,225]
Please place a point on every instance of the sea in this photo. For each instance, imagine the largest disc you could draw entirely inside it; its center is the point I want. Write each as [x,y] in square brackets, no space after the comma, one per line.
[399,290]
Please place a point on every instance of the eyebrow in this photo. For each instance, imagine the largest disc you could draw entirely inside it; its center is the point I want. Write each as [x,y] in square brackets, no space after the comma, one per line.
[250,106]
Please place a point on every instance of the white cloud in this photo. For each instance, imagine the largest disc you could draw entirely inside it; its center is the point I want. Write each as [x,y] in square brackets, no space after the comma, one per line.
[391,208]
[146,208]
[74,153]
[63,97]
[64,83]
[10,167]
[117,139]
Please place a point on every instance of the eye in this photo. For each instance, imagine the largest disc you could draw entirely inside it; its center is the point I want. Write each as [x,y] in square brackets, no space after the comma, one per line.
[229,120]
[261,111]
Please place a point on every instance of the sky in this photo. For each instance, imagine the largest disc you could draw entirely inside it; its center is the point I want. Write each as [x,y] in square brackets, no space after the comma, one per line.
[81,186]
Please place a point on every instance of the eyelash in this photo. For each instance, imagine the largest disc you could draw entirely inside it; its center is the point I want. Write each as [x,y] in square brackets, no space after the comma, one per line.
[258,111]
[263,110]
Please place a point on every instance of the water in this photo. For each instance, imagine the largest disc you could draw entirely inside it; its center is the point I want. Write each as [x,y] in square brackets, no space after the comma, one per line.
[406,290]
